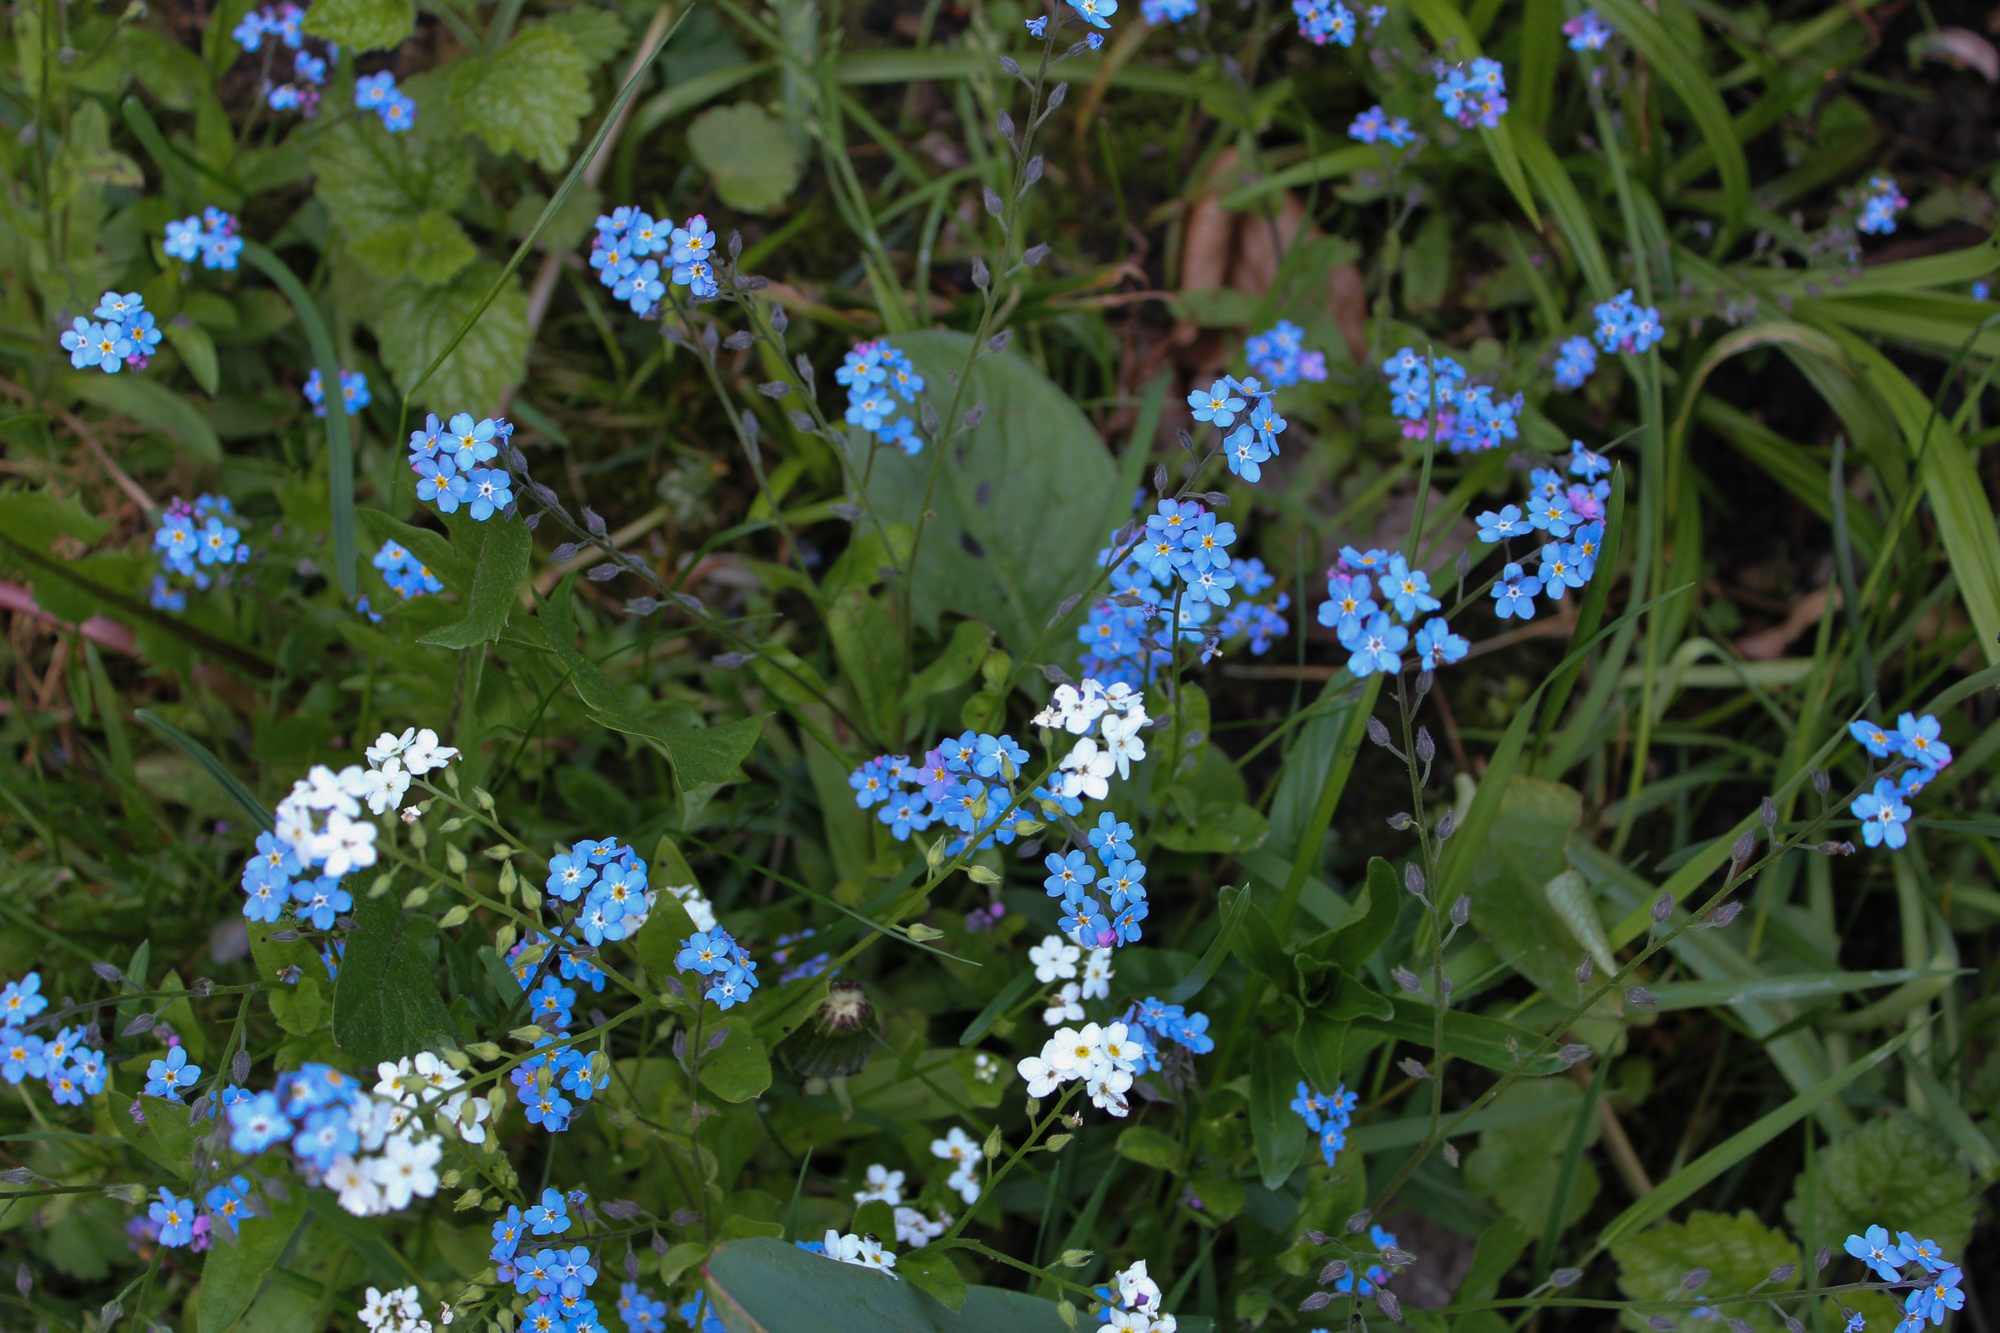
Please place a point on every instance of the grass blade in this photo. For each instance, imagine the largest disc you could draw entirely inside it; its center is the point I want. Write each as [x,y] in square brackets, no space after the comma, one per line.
[214,767]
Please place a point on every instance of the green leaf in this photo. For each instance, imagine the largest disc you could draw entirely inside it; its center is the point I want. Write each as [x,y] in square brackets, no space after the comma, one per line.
[232,1275]
[1370,919]
[166,1136]
[1898,1172]
[1523,850]
[500,566]
[765,1285]
[298,1009]
[1552,179]
[431,249]
[738,1070]
[954,666]
[149,402]
[1234,905]
[1216,828]
[386,1003]
[428,545]
[197,351]
[527,99]
[1519,1167]
[749,154]
[1484,1041]
[362,25]
[704,756]
[1149,1147]
[1257,944]
[597,33]
[932,1272]
[413,323]
[1278,1132]
[1682,69]
[1023,500]
[1739,1253]
[36,518]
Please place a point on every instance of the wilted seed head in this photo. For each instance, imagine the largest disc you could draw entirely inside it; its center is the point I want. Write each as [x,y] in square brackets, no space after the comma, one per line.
[1745,848]
[1663,908]
[1333,1272]
[1318,1300]
[1572,1053]
[1585,970]
[1461,911]
[1768,812]
[1413,878]
[1822,782]
[1727,913]
[1694,1278]
[1406,978]
[1377,732]
[1426,747]
[1641,998]
[1359,1222]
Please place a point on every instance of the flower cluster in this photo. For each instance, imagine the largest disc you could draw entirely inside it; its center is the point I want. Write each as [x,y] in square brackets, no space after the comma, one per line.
[558,1069]
[395,1311]
[861,1251]
[122,333]
[354,393]
[1576,361]
[1430,393]
[1937,1292]
[1175,574]
[1376,126]
[646,1313]
[1134,1305]
[1167,11]
[610,881]
[554,1275]
[65,1061]
[1122,885]
[715,954]
[210,237]
[1373,640]
[1103,1058]
[1324,21]
[1571,515]
[1588,31]
[1327,1116]
[966,782]
[1625,326]
[1057,960]
[1885,810]
[1880,203]
[876,375]
[1153,1020]
[449,462]
[1473,96]
[379,93]
[1255,439]
[781,954]
[1364,1281]
[623,253]
[1279,355]
[959,1148]
[320,821]
[409,576]
[373,1151]
[269,887]
[191,539]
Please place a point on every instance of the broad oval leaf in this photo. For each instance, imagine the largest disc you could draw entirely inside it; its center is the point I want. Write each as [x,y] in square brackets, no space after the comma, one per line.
[385,1002]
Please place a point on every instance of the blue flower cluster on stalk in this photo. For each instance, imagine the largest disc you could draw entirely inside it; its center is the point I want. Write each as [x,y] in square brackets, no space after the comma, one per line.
[556,1068]
[1376,126]
[210,237]
[1279,354]
[641,1311]
[876,375]
[1167,11]
[120,333]
[71,1068]
[555,1275]
[1576,361]
[1328,1116]
[1907,1261]
[409,576]
[1255,439]
[1373,639]
[378,93]
[1885,810]
[449,460]
[1570,515]
[1623,325]
[1881,201]
[636,256]
[274,879]
[1115,921]
[1588,31]
[611,883]
[354,393]
[1325,21]
[967,782]
[191,539]
[715,954]
[1473,95]
[1153,1021]
[1431,394]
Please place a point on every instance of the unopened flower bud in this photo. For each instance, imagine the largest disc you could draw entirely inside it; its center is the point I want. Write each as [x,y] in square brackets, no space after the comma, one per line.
[1447,825]
[1768,812]
[1585,970]
[1377,732]
[1565,1277]
[1641,998]
[1413,1068]
[1461,911]
[1406,978]
[1426,747]
[1694,1278]
[1316,1301]
[1663,908]
[1413,879]
[1359,1222]
[1745,848]
[1821,781]
[1727,913]
[1572,1053]
[1401,820]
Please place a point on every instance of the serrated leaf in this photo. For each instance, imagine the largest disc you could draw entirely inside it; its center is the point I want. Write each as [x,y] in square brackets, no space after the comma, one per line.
[372,181]
[1898,1172]
[431,249]
[1739,1252]
[529,98]
[414,322]
[386,1003]
[363,25]
[749,154]
[498,569]
[598,34]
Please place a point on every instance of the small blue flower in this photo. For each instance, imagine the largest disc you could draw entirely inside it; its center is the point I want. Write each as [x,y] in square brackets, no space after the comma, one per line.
[569,876]
[1561,569]
[1927,1253]
[257,1123]
[22,1000]
[1879,1252]
[1037,27]
[490,491]
[175,1217]
[321,900]
[1350,603]
[1407,590]
[550,1216]
[1576,361]
[1374,646]
[1882,815]
[1514,594]
[1939,1296]
[1095,12]
[1437,646]
[693,242]
[1552,514]
[1068,873]
[1583,463]
[705,952]
[1587,31]
[1219,404]
[1498,527]
[166,1078]
[1917,739]
[328,1133]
